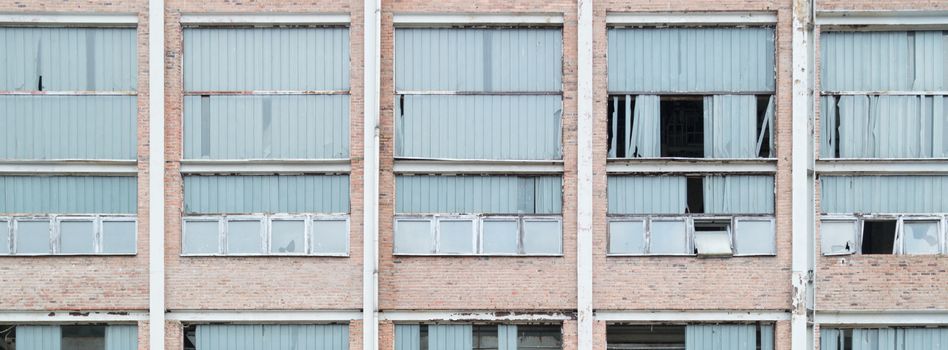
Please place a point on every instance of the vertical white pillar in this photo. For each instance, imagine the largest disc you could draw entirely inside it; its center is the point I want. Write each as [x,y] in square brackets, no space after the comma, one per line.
[800,209]
[156,174]
[370,272]
[584,175]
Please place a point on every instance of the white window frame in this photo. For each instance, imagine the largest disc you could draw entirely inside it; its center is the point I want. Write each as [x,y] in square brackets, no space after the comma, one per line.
[475,223]
[57,234]
[261,232]
[101,233]
[540,218]
[220,230]
[326,217]
[55,239]
[432,223]
[689,235]
[7,230]
[266,230]
[478,232]
[16,236]
[773,223]
[640,219]
[857,228]
[898,244]
[499,218]
[268,235]
[900,232]
[730,232]
[689,231]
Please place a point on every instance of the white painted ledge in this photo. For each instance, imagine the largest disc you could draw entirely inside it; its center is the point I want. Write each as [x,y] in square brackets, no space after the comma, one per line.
[211,19]
[882,166]
[425,316]
[882,18]
[412,166]
[691,18]
[881,318]
[264,316]
[69,167]
[264,166]
[72,316]
[90,19]
[690,316]
[691,165]
[422,19]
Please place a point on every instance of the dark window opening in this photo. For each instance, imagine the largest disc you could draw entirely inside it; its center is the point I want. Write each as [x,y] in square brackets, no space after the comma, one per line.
[695,195]
[539,337]
[878,237]
[617,128]
[83,337]
[190,337]
[836,149]
[682,126]
[762,125]
[7,337]
[423,338]
[711,225]
[650,337]
[485,338]
[847,339]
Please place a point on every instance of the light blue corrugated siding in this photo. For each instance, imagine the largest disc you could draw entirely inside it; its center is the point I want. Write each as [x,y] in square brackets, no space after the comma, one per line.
[924,338]
[691,59]
[68,194]
[267,127]
[767,337]
[266,194]
[450,337]
[507,337]
[479,194]
[38,338]
[121,337]
[876,61]
[873,339]
[407,337]
[739,194]
[884,194]
[68,127]
[266,59]
[647,194]
[885,126]
[828,127]
[479,127]
[830,339]
[721,337]
[68,59]
[266,337]
[730,126]
[478,59]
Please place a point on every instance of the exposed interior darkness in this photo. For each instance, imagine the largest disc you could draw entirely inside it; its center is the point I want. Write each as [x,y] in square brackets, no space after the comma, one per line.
[83,337]
[878,236]
[695,195]
[646,337]
[762,101]
[682,126]
[618,133]
[7,337]
[835,105]
[712,225]
[485,337]
[189,337]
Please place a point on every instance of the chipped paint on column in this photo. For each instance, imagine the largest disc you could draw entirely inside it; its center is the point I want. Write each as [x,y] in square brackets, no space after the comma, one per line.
[802,92]
[584,176]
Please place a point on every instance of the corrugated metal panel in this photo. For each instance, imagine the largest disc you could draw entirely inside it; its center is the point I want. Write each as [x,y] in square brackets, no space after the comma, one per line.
[739,194]
[266,194]
[479,194]
[721,337]
[730,126]
[767,337]
[884,194]
[68,59]
[691,59]
[828,127]
[68,127]
[479,127]
[876,61]
[121,337]
[873,339]
[266,127]
[38,338]
[830,339]
[266,59]
[450,337]
[507,337]
[407,337]
[483,59]
[68,194]
[923,339]
[227,337]
[647,194]
[264,337]
[887,126]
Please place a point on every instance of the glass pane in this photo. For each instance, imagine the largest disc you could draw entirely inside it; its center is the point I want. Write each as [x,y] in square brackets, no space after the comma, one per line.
[542,237]
[712,243]
[286,236]
[118,237]
[201,237]
[485,338]
[76,237]
[413,236]
[32,237]
[456,236]
[837,237]
[539,337]
[244,237]
[627,237]
[83,338]
[330,237]
[499,237]
[669,237]
[921,237]
[755,237]
[4,237]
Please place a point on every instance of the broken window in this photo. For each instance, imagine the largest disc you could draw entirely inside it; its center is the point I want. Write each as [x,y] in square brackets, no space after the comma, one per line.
[271,234]
[898,235]
[712,238]
[921,237]
[645,337]
[878,237]
[838,237]
[287,236]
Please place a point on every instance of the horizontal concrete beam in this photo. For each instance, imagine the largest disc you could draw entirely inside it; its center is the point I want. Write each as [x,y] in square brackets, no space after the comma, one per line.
[85,19]
[264,316]
[424,316]
[424,19]
[691,18]
[882,18]
[72,316]
[69,167]
[882,166]
[413,166]
[920,318]
[632,166]
[690,316]
[212,19]
[265,166]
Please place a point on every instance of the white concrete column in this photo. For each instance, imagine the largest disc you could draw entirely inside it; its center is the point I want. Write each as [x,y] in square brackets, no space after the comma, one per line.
[156,174]
[370,271]
[584,175]
[801,207]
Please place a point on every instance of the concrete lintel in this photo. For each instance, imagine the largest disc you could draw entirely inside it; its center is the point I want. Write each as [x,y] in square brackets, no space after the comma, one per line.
[882,166]
[212,19]
[425,19]
[426,316]
[69,167]
[264,316]
[79,19]
[882,18]
[691,18]
[881,318]
[690,166]
[264,166]
[411,166]
[66,316]
[690,316]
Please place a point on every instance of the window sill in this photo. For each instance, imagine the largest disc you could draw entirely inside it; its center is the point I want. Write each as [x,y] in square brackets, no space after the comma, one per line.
[472,166]
[439,255]
[66,255]
[690,165]
[264,255]
[868,166]
[264,166]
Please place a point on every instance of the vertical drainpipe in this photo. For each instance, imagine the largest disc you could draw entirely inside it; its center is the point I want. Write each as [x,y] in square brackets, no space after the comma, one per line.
[800,111]
[584,175]
[370,262]
[156,174]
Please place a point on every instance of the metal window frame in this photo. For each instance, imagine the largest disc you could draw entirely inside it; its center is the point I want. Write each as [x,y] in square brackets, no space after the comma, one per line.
[896,241]
[16,223]
[225,239]
[457,218]
[609,232]
[184,234]
[111,218]
[689,233]
[266,221]
[689,220]
[478,234]
[96,234]
[287,218]
[738,219]
[415,218]
[557,218]
[939,231]
[714,219]
[500,218]
[312,218]
[856,225]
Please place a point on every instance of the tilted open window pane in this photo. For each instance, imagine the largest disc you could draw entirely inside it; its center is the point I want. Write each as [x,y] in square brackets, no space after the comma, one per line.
[287,237]
[542,237]
[32,237]
[201,237]
[878,236]
[76,237]
[244,237]
[668,237]
[118,237]
[499,236]
[456,236]
[713,243]
[330,236]
[627,237]
[413,236]
[755,237]
[920,237]
[838,237]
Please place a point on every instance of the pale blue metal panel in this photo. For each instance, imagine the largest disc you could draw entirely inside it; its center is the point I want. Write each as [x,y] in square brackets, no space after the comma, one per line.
[739,194]
[877,61]
[479,194]
[121,337]
[767,337]
[691,59]
[39,337]
[450,337]
[306,337]
[886,126]
[68,127]
[68,194]
[507,337]
[884,194]
[479,127]
[229,337]
[721,337]
[874,339]
[730,126]
[68,59]
[266,194]
[923,339]
[647,194]
[407,337]
[266,127]
[266,59]
[828,127]
[830,339]
[483,59]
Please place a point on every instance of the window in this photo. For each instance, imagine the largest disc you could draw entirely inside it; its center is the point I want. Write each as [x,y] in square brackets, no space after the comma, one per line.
[878,237]
[627,237]
[83,337]
[32,237]
[758,336]
[76,236]
[899,234]
[754,236]
[485,338]
[712,238]
[669,235]
[539,337]
[69,337]
[266,336]
[478,235]
[274,234]
[648,337]
[68,235]
[477,337]
[921,237]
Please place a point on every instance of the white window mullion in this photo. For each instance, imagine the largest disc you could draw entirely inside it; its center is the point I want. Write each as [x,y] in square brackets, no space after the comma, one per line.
[222,235]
